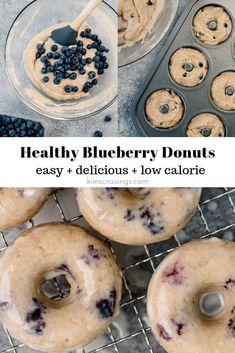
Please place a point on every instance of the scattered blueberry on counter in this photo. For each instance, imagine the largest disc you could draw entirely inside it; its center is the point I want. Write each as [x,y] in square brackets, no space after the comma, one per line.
[69,62]
[18,127]
[98,133]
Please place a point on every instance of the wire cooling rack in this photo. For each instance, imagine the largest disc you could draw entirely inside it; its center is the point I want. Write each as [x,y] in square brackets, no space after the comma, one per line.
[130,332]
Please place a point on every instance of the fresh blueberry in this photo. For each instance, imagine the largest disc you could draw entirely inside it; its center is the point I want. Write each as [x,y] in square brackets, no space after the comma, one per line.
[101,71]
[83,62]
[64,49]
[80,43]
[82,72]
[94,37]
[38,55]
[99,66]
[96,59]
[44,59]
[68,89]
[107,119]
[80,67]
[66,75]
[91,75]
[83,51]
[57,81]
[75,60]
[103,59]
[42,51]
[94,82]
[73,76]
[12,133]
[106,65]
[49,69]
[75,88]
[63,57]
[23,133]
[95,45]
[82,34]
[68,53]
[45,79]
[54,48]
[89,46]
[88,60]
[98,133]
[44,70]
[56,56]
[87,30]
[50,55]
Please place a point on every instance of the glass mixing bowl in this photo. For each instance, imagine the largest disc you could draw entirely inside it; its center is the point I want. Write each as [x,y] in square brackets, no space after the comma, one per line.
[36,17]
[130,54]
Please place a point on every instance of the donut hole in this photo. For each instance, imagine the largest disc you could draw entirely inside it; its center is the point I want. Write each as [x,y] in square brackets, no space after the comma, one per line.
[56,288]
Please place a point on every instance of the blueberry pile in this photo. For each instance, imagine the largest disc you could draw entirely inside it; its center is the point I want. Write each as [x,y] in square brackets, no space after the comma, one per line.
[73,61]
[17,127]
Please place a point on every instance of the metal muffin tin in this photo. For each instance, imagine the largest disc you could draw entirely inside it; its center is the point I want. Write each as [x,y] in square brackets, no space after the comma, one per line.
[197,99]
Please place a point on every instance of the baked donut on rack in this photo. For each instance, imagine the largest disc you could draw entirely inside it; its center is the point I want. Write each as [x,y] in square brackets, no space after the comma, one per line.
[138,216]
[18,205]
[59,288]
[191,298]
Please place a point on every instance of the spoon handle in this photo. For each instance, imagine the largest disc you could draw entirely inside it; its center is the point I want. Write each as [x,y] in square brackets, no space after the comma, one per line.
[84,14]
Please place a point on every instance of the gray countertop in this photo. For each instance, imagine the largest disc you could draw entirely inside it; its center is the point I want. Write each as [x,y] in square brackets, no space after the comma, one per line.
[131,78]
[11,105]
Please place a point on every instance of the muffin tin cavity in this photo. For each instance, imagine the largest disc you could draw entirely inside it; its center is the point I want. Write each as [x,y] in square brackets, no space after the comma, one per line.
[212,25]
[223,90]
[188,67]
[206,125]
[164,109]
[202,75]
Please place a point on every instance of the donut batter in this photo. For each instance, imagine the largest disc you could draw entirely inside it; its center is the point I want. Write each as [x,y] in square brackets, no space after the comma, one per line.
[188,67]
[212,25]
[223,90]
[76,67]
[144,216]
[82,308]
[206,125]
[177,289]
[19,205]
[164,109]
[136,19]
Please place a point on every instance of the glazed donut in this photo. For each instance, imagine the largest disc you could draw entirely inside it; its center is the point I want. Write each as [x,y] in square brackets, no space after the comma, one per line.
[59,288]
[212,25]
[19,205]
[188,67]
[137,216]
[206,125]
[164,109]
[190,299]
[223,90]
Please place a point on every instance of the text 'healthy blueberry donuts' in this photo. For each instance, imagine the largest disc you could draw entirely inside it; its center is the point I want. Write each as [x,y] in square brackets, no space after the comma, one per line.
[138,216]
[212,25]
[191,298]
[188,67]
[223,90]
[164,109]
[19,205]
[59,288]
[206,125]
